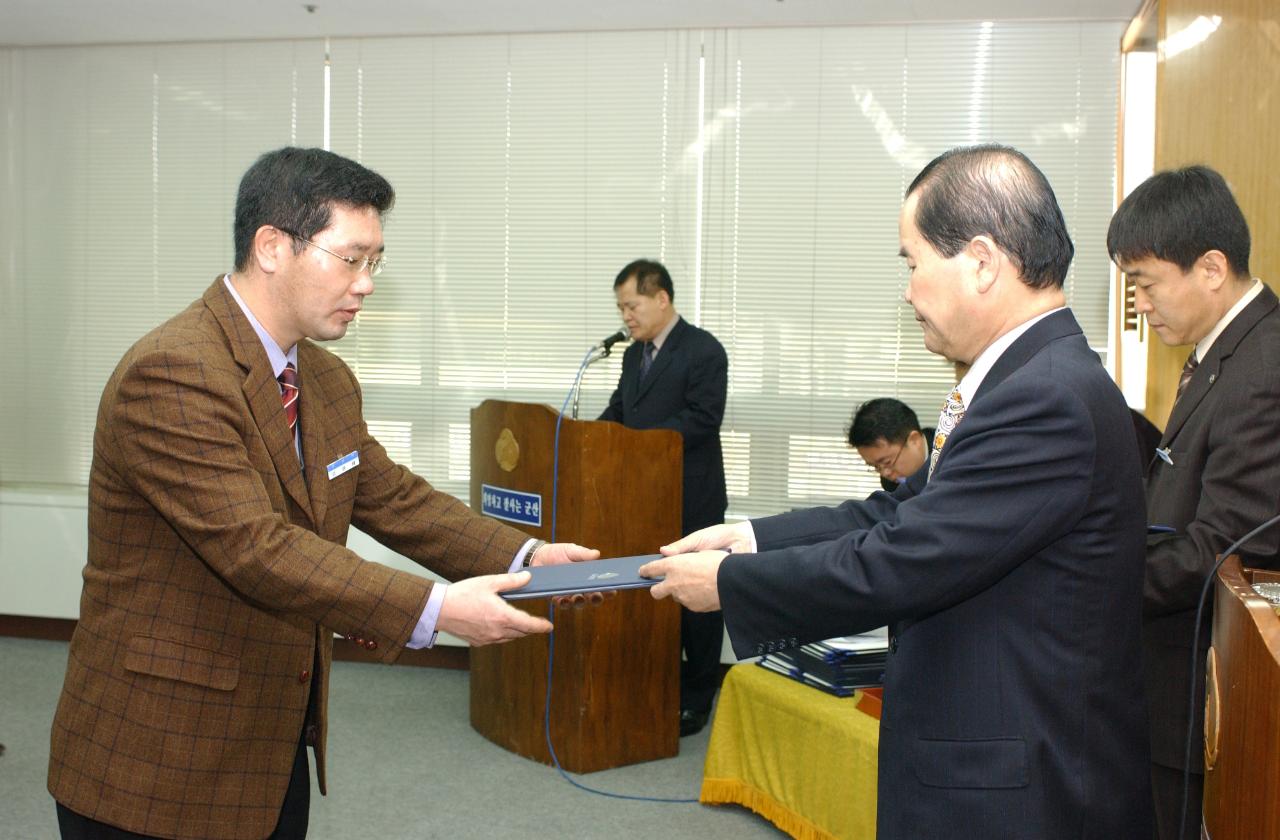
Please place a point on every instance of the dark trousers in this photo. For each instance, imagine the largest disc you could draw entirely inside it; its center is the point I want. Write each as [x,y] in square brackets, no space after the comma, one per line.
[1166,787]
[293,813]
[701,636]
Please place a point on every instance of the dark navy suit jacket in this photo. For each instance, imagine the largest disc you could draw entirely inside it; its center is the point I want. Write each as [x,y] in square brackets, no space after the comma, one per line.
[684,390]
[1012,585]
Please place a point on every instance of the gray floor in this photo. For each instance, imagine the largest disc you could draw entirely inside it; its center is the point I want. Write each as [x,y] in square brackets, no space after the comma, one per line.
[403,763]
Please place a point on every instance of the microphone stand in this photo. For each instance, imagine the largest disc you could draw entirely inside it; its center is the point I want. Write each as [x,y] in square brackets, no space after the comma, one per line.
[577,382]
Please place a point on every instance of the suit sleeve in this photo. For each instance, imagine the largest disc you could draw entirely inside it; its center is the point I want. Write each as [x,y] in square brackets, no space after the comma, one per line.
[1014,479]
[1238,489]
[404,512]
[176,432]
[706,391]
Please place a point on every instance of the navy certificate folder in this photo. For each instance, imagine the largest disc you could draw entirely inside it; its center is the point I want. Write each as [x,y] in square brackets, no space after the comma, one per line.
[587,576]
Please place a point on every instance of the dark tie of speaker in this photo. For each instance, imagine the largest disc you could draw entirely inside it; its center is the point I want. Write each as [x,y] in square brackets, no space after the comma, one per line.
[646,359]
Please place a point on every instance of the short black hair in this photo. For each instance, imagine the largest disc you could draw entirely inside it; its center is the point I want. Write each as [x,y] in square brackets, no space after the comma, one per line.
[1177,216]
[295,190]
[650,275]
[887,418]
[998,192]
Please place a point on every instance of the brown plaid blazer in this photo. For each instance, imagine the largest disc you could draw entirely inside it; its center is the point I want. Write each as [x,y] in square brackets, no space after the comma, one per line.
[217,575]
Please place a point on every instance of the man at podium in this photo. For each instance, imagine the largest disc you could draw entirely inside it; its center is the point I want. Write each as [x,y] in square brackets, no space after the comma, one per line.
[1182,240]
[676,376]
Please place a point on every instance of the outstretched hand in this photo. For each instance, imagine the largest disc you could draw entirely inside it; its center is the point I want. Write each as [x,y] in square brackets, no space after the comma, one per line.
[688,579]
[737,538]
[473,611]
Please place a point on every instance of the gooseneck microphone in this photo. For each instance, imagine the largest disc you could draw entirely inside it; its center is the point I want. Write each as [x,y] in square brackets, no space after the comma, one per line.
[605,348]
[607,344]
[1195,662]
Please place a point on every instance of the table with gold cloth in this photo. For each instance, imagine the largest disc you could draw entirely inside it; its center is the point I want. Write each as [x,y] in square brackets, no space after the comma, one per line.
[803,759]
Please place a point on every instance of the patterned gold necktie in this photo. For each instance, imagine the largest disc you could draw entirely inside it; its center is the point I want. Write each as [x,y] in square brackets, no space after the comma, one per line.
[952,414]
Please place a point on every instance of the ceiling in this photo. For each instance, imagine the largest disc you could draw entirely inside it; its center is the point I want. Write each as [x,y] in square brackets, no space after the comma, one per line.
[49,22]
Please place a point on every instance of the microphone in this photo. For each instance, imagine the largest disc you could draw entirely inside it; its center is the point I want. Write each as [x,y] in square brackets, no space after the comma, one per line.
[605,347]
[1195,657]
[607,344]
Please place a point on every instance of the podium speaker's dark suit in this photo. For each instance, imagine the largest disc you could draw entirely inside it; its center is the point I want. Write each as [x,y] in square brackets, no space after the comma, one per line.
[1012,585]
[685,390]
[1224,440]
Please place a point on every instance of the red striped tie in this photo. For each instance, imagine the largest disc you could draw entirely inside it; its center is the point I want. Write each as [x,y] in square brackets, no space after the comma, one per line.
[289,395]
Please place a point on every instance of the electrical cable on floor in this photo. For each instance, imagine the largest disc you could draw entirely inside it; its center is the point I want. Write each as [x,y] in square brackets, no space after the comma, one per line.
[551,638]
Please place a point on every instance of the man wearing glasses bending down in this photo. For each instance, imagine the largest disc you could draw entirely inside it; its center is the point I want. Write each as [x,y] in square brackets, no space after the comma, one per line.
[230,458]
[888,437]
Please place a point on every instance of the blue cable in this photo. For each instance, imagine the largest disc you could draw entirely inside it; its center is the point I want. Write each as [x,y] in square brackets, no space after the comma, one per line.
[551,614]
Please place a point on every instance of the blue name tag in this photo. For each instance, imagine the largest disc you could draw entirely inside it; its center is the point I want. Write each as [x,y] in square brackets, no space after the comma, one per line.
[344,464]
[511,505]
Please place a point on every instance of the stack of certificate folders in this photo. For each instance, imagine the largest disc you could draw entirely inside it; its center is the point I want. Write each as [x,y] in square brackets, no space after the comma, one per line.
[837,666]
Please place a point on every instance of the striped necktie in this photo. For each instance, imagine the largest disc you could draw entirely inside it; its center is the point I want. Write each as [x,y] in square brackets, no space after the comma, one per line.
[1188,370]
[289,396]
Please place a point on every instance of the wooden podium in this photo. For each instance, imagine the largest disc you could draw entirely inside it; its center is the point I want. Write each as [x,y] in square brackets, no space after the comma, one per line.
[615,680]
[1242,710]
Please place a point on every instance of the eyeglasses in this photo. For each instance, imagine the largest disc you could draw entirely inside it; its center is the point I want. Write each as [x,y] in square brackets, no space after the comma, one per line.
[881,467]
[358,264]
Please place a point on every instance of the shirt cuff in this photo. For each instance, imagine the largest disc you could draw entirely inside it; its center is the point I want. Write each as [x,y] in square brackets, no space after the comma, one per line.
[424,635]
[518,563]
[751,537]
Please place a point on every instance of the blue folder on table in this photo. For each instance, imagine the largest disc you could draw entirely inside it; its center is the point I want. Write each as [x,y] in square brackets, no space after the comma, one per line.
[587,576]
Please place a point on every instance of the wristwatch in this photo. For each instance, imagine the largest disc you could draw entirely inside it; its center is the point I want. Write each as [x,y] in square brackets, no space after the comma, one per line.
[533,549]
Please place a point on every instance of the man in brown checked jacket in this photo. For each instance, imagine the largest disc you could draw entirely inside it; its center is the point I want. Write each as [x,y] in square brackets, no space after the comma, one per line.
[230,458]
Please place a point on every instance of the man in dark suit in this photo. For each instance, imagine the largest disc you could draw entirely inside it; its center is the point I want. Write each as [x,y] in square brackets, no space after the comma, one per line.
[887,436]
[676,376]
[1009,569]
[1182,240]
[230,458]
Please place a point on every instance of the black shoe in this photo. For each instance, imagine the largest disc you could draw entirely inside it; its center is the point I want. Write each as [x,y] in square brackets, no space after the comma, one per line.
[692,722]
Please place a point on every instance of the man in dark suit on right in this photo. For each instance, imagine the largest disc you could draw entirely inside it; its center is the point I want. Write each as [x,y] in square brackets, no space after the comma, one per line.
[1008,569]
[1182,240]
[676,376]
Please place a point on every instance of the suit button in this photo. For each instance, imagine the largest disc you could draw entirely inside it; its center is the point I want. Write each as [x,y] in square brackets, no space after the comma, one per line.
[304,676]
[312,734]
[370,645]
[893,644]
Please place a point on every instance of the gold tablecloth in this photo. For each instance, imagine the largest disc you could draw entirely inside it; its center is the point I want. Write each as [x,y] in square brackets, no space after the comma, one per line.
[803,759]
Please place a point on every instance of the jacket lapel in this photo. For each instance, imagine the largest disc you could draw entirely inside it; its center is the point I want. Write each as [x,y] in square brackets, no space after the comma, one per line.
[1207,372]
[311,419]
[663,360]
[261,390]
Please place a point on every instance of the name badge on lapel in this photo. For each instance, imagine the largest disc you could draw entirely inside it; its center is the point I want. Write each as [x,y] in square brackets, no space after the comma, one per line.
[344,464]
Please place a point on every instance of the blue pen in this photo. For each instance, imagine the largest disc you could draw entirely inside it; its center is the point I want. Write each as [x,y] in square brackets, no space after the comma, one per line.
[1161,529]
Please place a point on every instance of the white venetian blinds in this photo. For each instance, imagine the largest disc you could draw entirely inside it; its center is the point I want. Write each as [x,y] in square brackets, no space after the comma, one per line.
[528,170]
[765,167]
[814,136]
[123,164]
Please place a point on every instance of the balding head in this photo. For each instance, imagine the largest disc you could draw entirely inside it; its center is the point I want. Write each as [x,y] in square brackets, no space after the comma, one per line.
[994,191]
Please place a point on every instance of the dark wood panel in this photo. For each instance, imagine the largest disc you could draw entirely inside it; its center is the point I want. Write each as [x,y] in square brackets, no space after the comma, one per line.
[616,666]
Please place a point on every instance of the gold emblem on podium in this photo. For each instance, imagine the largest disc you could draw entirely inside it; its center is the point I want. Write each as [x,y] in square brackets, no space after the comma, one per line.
[507,451]
[1212,712]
